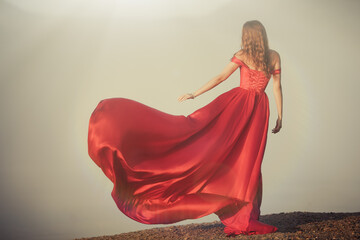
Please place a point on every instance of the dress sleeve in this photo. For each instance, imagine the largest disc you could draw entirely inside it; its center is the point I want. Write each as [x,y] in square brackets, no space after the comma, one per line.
[277,71]
[236,60]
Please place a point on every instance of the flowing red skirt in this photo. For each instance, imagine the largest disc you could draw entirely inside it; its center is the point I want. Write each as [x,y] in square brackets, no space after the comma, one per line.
[167,168]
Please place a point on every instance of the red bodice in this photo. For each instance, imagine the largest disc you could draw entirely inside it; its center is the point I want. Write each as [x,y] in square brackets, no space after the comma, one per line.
[252,79]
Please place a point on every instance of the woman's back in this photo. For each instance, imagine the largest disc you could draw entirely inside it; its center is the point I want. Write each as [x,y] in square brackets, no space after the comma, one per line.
[273,60]
[253,78]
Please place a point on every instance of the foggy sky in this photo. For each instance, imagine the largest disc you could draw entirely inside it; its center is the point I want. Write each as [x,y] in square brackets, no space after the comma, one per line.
[60,58]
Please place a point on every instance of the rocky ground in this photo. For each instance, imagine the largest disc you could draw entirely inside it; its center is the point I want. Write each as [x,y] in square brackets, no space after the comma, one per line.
[293,225]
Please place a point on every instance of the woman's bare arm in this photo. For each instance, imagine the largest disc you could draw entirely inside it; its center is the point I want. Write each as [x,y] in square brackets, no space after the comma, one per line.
[226,72]
[278,93]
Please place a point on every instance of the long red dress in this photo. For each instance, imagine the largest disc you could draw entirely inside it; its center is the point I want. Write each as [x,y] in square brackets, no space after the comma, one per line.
[167,168]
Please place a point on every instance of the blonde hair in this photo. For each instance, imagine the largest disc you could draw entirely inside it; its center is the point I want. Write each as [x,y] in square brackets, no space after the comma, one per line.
[255,45]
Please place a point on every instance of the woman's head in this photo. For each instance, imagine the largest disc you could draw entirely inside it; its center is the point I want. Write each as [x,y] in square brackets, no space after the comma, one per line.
[255,44]
[254,38]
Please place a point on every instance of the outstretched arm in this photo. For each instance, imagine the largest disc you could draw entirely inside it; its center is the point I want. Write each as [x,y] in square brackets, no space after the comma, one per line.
[226,72]
[278,94]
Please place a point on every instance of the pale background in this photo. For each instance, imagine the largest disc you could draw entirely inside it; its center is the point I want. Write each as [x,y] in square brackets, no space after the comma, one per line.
[59,58]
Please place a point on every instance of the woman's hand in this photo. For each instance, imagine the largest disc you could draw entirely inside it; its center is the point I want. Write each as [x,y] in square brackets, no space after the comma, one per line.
[186,96]
[278,126]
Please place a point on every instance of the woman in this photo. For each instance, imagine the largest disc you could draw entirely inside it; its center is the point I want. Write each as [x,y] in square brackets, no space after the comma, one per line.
[167,168]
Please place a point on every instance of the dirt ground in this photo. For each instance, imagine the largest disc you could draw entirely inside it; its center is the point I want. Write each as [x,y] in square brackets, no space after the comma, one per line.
[292,225]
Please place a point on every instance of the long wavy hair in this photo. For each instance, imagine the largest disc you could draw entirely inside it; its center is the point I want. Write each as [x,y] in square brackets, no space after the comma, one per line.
[255,45]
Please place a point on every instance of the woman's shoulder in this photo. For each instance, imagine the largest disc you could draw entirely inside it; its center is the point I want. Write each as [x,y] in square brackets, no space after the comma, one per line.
[274,59]
[239,54]
[274,55]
